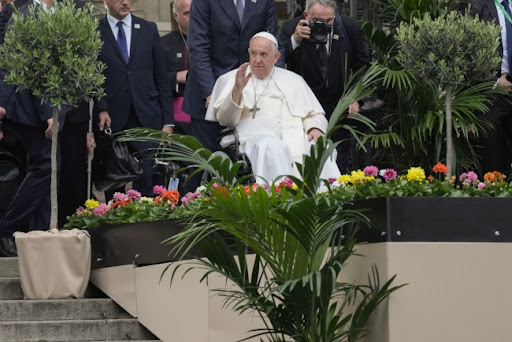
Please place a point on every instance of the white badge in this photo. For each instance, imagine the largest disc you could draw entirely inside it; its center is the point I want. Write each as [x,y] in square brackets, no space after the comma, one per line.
[137,26]
[179,55]
[335,36]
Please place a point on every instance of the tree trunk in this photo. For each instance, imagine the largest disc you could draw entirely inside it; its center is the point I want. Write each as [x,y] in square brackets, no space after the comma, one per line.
[449,131]
[53,186]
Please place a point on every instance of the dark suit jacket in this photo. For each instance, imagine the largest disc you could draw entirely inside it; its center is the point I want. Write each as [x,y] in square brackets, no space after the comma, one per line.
[486,11]
[218,43]
[23,107]
[176,56]
[303,60]
[6,14]
[142,82]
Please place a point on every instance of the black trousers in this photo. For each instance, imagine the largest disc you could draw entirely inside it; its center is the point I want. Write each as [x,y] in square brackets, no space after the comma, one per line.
[73,168]
[30,207]
[496,154]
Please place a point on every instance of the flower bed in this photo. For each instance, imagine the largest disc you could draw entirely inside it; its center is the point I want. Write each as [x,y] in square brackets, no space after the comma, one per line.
[368,183]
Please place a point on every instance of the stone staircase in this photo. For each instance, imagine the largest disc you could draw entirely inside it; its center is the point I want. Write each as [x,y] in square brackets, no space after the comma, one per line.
[94,318]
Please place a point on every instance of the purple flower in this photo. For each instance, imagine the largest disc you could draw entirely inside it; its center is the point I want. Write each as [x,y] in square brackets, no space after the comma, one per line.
[158,190]
[80,210]
[331,180]
[371,171]
[389,174]
[101,210]
[119,196]
[134,194]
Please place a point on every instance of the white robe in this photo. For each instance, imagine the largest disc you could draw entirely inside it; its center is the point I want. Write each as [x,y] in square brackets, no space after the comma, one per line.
[277,135]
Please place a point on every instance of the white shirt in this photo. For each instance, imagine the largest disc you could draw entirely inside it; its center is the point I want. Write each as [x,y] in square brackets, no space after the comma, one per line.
[505,68]
[127,25]
[243,3]
[45,6]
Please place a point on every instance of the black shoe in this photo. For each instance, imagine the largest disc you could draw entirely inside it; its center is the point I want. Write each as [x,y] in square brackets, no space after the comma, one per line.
[7,247]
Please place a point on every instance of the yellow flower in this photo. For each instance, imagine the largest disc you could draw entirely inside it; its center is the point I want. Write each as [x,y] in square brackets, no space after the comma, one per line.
[344,179]
[295,186]
[415,174]
[146,200]
[357,177]
[91,204]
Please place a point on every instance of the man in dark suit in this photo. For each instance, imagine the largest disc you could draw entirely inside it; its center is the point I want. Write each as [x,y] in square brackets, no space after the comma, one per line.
[72,136]
[137,83]
[30,208]
[176,52]
[218,37]
[496,154]
[323,64]
[33,122]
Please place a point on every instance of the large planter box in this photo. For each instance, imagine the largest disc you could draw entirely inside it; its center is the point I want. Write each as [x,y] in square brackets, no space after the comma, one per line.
[454,254]
[133,243]
[437,219]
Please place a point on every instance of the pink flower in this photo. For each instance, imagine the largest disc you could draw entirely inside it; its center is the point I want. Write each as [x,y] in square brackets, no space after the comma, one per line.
[80,210]
[371,171]
[158,190]
[331,180]
[287,182]
[119,196]
[101,210]
[463,176]
[472,177]
[134,194]
[389,174]
[481,185]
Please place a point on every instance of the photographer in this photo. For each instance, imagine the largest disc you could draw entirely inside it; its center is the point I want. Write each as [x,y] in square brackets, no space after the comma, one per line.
[319,46]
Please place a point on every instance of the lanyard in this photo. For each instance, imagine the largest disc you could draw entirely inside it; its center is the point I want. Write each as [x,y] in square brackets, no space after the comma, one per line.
[507,16]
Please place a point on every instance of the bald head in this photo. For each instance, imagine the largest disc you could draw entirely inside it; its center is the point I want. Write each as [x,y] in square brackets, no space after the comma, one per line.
[181,9]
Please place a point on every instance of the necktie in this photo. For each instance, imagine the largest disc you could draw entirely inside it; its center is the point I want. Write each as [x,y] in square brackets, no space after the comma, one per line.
[323,59]
[240,9]
[121,41]
[508,28]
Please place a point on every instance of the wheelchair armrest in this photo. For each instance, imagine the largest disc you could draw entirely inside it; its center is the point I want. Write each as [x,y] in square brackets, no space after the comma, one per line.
[227,132]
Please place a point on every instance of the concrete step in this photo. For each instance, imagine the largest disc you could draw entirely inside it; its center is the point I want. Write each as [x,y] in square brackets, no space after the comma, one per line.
[75,330]
[10,289]
[9,268]
[63,309]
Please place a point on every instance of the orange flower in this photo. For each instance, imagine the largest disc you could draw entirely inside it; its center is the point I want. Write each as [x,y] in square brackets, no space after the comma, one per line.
[172,195]
[156,200]
[494,176]
[441,168]
[430,179]
[452,179]
[222,189]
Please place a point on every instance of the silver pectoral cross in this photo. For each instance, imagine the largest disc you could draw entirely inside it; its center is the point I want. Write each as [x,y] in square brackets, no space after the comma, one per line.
[253,110]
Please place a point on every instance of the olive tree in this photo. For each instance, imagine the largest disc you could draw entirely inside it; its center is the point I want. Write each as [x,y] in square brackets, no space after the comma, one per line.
[54,54]
[451,51]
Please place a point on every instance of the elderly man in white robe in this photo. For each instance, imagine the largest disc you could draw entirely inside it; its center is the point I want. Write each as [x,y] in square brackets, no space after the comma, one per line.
[275,113]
